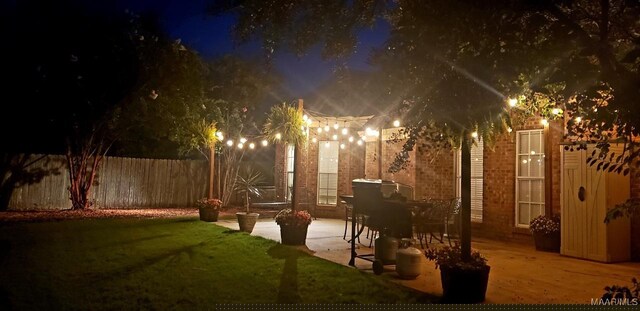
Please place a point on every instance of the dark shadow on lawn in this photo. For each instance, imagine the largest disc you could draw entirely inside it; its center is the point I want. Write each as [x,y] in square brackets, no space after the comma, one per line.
[132,241]
[288,290]
[231,231]
[172,255]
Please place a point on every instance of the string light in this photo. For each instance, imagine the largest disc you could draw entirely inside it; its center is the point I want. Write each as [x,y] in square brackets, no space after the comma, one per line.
[345,131]
[278,136]
[309,122]
[544,122]
[314,140]
[396,123]
[265,142]
[359,142]
[336,126]
[326,128]
[240,145]
[326,145]
[229,142]
[342,146]
[509,130]
[556,111]
[252,145]
[219,135]
[350,139]
[474,134]
[513,102]
[578,119]
[243,140]
[305,117]
[334,137]
[319,130]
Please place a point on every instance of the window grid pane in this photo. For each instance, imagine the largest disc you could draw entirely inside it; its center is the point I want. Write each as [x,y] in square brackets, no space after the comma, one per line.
[328,153]
[530,176]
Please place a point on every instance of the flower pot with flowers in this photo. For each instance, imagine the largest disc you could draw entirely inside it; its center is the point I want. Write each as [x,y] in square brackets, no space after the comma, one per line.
[209,209]
[546,233]
[293,226]
[463,281]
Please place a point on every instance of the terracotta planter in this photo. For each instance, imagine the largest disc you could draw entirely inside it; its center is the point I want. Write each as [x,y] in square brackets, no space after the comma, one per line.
[247,221]
[463,285]
[549,242]
[209,214]
[293,235]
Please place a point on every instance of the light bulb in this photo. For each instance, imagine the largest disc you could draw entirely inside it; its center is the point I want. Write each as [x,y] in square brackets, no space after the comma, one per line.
[544,122]
[342,146]
[229,142]
[219,135]
[326,128]
[513,102]
[396,123]
[345,131]
[243,140]
[474,134]
[252,145]
[319,130]
[265,142]
[578,119]
[359,142]
[336,126]
[278,136]
[351,139]
[334,137]
[240,145]
[314,140]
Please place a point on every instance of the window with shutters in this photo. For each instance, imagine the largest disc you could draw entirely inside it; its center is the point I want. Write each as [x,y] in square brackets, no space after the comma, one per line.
[328,152]
[529,176]
[476,179]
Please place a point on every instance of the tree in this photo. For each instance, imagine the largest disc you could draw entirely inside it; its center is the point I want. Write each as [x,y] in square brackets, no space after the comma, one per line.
[283,125]
[452,65]
[86,83]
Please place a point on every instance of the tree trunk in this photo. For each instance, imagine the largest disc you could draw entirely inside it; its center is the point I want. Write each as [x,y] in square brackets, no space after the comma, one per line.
[212,169]
[294,197]
[465,209]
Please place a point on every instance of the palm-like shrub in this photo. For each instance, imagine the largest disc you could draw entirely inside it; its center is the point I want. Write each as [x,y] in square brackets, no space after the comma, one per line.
[247,183]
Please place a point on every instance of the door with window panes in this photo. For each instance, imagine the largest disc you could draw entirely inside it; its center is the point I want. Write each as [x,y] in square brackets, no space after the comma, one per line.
[529,176]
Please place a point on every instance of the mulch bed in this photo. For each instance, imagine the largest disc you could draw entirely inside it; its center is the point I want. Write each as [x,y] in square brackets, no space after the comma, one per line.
[57,215]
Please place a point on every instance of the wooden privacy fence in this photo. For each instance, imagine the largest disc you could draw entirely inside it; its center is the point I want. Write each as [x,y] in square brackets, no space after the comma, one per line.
[121,183]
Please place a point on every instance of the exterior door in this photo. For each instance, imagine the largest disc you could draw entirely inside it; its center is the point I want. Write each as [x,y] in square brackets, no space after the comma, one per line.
[573,207]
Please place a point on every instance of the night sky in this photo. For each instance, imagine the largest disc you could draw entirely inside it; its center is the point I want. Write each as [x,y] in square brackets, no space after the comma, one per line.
[211,37]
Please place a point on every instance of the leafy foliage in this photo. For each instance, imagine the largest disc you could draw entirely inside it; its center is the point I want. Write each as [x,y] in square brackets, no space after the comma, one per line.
[289,217]
[247,183]
[623,292]
[450,257]
[545,224]
[284,124]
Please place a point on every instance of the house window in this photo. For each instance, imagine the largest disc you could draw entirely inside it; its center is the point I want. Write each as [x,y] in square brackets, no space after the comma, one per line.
[328,172]
[476,179]
[290,162]
[529,176]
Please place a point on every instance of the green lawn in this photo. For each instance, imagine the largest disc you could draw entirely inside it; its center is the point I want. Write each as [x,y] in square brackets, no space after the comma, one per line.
[179,263]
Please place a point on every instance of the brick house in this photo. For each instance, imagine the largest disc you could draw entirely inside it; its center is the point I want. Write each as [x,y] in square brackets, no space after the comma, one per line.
[522,166]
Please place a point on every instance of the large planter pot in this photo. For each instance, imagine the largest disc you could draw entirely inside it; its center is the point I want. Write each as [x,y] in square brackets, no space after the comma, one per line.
[247,221]
[209,214]
[293,235]
[464,285]
[549,242]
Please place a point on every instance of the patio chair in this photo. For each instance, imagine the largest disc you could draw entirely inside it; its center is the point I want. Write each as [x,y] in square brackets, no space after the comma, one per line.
[452,219]
[430,221]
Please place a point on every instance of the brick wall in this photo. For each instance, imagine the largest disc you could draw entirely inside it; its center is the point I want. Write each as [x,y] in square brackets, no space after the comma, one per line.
[435,175]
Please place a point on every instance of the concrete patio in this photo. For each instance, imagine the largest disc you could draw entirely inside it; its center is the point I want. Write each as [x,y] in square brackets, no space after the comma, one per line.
[519,273]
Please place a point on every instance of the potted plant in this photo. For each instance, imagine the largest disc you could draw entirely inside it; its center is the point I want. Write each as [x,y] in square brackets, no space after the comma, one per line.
[546,233]
[247,183]
[209,209]
[293,226]
[463,281]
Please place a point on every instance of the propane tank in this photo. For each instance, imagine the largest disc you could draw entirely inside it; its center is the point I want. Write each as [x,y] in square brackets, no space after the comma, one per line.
[386,248]
[408,260]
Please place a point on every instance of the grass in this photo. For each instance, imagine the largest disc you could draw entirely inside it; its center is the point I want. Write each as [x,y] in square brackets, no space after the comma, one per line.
[178,263]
